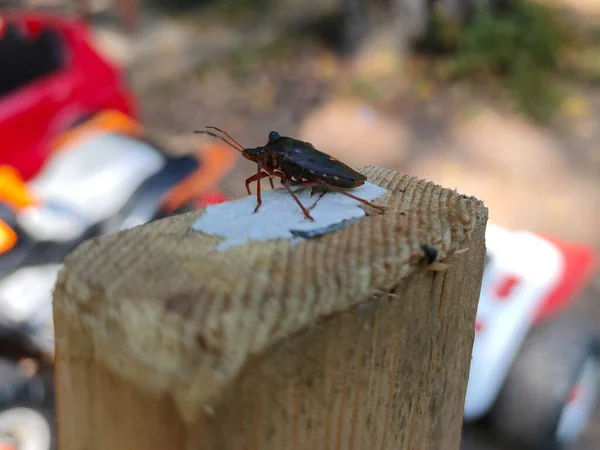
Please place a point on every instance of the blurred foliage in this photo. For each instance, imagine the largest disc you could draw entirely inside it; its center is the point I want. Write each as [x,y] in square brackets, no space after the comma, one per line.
[241,59]
[526,48]
[520,47]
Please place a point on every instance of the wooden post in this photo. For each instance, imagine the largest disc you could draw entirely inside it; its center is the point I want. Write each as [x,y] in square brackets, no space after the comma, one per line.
[348,341]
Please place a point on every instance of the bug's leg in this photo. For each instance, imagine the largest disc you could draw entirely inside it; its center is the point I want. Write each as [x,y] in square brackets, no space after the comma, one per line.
[271,176]
[258,176]
[342,191]
[303,184]
[347,194]
[313,184]
[248,181]
[255,177]
[285,183]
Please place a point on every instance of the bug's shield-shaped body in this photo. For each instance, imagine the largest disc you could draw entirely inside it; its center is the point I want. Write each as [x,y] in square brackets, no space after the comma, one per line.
[300,160]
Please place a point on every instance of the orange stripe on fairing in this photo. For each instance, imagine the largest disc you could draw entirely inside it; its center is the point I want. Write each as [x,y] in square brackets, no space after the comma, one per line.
[13,189]
[8,237]
[109,121]
[216,161]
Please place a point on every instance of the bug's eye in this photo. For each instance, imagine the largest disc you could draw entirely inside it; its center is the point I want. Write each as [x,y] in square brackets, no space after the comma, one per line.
[273,135]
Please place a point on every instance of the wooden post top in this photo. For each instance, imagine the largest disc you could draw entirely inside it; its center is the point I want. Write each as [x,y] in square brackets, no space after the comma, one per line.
[169,312]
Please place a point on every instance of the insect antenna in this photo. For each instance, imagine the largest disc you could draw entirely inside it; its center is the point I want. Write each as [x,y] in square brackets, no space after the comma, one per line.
[226,134]
[210,133]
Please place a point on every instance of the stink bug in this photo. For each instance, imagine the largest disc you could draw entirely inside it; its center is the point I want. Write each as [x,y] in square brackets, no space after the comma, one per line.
[296,163]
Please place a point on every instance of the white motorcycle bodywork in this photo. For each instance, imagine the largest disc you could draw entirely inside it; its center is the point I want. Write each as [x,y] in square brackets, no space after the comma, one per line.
[503,323]
[87,184]
[81,187]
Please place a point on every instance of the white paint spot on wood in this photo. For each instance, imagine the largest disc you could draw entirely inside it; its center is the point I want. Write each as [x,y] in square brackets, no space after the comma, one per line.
[279,213]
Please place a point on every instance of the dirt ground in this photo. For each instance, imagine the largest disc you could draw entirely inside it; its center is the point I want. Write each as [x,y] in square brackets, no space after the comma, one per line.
[196,70]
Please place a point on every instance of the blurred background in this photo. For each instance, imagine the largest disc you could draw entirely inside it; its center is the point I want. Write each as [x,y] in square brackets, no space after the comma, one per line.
[499,99]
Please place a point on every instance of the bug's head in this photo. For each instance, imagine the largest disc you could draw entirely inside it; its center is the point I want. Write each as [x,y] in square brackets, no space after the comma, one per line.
[273,136]
[254,154]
